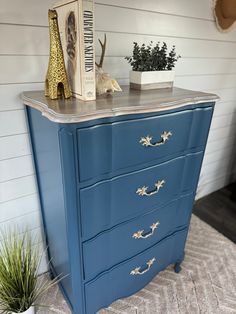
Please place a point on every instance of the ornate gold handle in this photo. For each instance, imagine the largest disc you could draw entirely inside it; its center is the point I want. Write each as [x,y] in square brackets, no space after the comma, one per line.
[143,191]
[146,141]
[137,271]
[140,234]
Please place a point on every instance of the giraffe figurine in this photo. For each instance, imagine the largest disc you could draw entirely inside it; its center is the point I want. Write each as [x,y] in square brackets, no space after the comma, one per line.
[56,82]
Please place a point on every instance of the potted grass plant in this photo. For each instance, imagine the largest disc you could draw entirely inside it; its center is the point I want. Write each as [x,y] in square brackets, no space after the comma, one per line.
[152,66]
[20,286]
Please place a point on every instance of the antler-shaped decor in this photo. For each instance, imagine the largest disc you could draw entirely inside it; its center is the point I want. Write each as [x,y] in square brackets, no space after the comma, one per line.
[104,83]
[103,45]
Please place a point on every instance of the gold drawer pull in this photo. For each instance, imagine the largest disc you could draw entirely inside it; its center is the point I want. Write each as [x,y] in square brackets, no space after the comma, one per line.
[140,234]
[146,141]
[137,271]
[143,191]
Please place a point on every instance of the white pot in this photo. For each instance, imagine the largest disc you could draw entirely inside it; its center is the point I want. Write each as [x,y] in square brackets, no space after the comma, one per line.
[151,79]
[30,310]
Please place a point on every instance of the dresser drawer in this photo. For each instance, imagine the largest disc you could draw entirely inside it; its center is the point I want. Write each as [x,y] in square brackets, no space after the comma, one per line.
[113,146]
[132,275]
[111,202]
[128,239]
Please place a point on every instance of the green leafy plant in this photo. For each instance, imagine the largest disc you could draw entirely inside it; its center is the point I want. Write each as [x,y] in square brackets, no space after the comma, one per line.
[152,58]
[20,287]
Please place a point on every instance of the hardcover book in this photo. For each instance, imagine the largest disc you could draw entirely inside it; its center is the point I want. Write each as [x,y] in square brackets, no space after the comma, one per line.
[76,26]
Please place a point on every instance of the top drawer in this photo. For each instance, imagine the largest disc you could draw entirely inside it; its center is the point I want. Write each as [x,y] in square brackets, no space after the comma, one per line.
[109,147]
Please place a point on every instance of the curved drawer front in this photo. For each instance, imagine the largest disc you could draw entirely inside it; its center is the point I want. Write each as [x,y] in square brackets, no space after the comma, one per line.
[109,147]
[131,238]
[110,202]
[132,275]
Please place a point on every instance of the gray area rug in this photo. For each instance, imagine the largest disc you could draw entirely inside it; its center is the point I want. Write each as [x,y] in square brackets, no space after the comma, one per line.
[206,284]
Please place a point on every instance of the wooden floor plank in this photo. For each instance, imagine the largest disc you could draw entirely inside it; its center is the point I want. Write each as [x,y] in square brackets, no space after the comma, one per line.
[219,210]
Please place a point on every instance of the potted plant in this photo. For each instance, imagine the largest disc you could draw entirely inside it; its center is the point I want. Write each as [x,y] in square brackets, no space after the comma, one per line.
[20,287]
[152,66]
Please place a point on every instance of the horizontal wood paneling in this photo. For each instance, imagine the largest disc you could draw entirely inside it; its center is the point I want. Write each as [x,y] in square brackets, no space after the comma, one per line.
[30,220]
[206,82]
[202,82]
[208,63]
[120,44]
[227,153]
[14,146]
[24,40]
[36,13]
[13,189]
[223,121]
[214,184]
[225,94]
[12,123]
[17,207]
[221,134]
[213,145]
[15,168]
[22,69]
[28,12]
[225,108]
[201,66]
[29,40]
[118,67]
[214,74]
[142,22]
[189,8]
[217,168]
[33,69]
[10,95]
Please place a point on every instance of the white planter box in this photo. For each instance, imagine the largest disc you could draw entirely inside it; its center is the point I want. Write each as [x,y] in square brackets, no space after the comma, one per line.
[31,310]
[151,79]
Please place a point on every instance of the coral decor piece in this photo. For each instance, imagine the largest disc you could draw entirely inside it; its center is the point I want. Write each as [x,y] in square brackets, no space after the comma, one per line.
[104,83]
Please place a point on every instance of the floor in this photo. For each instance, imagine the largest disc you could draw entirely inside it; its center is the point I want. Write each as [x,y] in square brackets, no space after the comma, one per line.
[206,284]
[219,210]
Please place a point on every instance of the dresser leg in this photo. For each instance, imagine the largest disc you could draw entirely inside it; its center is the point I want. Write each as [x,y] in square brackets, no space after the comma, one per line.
[177,267]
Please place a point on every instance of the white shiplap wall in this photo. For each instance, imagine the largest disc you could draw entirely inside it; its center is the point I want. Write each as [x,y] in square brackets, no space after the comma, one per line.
[208,63]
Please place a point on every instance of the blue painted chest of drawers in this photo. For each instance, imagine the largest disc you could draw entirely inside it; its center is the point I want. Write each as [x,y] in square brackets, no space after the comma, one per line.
[117,180]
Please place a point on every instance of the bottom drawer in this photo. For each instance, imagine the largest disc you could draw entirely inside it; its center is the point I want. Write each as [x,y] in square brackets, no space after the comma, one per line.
[132,275]
[118,244]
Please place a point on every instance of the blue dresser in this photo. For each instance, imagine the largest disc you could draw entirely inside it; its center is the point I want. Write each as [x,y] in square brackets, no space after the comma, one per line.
[117,179]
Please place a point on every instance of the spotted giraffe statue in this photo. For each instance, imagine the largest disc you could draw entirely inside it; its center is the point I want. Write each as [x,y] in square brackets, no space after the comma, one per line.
[56,82]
